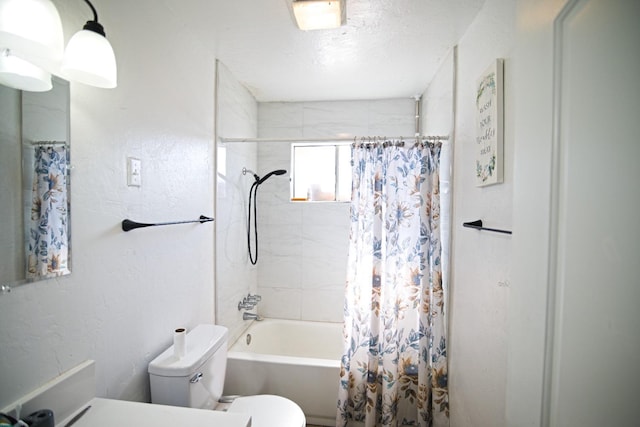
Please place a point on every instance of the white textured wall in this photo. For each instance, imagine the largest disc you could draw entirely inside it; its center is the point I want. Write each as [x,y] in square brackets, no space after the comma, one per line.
[438,100]
[235,276]
[303,246]
[128,290]
[437,118]
[481,261]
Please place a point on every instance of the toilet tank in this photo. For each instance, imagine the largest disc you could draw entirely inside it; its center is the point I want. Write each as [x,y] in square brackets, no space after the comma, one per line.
[195,380]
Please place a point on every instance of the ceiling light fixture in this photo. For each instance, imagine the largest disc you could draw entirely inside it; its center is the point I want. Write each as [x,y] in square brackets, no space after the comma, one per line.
[319,14]
[89,57]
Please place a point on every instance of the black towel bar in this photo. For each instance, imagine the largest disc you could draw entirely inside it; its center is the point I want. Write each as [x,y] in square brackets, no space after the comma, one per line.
[478,226]
[128,225]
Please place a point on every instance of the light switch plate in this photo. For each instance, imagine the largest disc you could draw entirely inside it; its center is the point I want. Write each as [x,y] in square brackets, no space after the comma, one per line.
[134,172]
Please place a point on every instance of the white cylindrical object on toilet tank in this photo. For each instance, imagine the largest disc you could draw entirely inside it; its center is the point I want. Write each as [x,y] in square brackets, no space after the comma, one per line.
[180,342]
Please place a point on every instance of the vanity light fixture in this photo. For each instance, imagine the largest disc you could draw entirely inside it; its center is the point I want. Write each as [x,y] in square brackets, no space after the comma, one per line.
[89,57]
[319,14]
[31,43]
[20,74]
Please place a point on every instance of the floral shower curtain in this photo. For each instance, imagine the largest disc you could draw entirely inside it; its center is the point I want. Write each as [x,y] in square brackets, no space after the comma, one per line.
[394,366]
[48,240]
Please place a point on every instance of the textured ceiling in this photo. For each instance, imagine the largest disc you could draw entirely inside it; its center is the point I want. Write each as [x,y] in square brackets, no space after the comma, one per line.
[387,49]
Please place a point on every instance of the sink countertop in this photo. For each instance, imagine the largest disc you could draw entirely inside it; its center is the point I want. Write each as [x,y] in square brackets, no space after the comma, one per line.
[109,413]
[72,391]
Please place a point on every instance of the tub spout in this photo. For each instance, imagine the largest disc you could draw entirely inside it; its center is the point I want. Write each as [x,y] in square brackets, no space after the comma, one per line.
[251,316]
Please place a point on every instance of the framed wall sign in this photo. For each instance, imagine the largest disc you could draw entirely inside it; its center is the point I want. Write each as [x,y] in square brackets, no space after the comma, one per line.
[489,125]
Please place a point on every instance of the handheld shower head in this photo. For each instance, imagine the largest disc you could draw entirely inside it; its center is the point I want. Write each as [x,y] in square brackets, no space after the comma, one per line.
[267,176]
[253,194]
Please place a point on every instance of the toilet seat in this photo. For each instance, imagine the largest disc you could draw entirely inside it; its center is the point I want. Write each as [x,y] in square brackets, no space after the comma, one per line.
[268,410]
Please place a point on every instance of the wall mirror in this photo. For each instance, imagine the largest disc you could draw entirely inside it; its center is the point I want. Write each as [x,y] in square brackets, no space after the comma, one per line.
[35,239]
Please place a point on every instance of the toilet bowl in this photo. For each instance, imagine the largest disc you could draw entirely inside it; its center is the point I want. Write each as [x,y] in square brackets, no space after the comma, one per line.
[267,411]
[196,380]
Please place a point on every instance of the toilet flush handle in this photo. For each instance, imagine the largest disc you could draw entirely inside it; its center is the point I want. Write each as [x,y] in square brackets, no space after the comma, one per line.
[196,378]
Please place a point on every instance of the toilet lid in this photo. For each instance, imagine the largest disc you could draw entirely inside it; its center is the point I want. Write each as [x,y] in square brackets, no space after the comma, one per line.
[267,411]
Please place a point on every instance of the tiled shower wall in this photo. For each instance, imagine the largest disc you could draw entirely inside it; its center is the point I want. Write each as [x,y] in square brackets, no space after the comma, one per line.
[303,245]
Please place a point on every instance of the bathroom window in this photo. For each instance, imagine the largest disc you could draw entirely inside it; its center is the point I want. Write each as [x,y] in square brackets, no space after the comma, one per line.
[321,172]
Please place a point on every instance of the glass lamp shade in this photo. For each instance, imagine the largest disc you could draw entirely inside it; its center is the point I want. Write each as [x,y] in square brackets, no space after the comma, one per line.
[20,74]
[32,30]
[89,59]
[319,14]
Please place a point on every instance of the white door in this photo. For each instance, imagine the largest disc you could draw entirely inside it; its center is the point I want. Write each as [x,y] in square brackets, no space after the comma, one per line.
[595,222]
[574,305]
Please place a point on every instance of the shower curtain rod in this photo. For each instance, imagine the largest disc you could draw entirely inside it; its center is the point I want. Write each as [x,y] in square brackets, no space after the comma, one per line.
[45,143]
[336,139]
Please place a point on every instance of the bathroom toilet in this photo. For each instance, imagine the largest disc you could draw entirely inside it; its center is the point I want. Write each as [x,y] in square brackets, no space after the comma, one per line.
[196,380]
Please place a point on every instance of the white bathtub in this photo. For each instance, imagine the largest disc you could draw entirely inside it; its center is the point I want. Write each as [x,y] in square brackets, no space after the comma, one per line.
[299,360]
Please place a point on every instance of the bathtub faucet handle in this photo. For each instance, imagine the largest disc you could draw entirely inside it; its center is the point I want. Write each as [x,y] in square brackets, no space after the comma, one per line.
[254,298]
[246,304]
